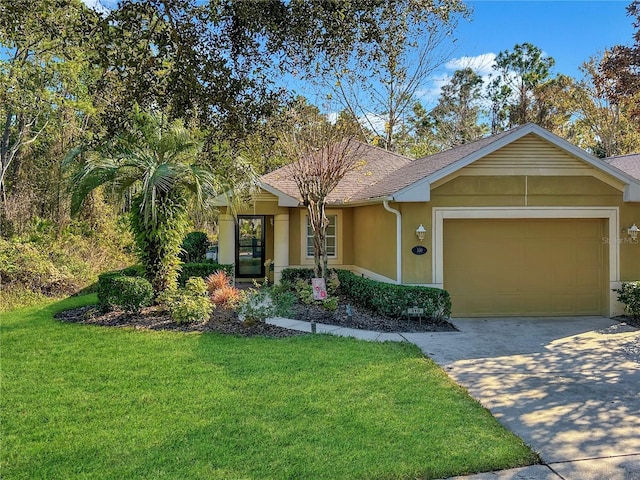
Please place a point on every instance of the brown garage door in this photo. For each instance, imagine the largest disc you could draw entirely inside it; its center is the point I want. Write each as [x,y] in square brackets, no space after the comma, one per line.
[525,266]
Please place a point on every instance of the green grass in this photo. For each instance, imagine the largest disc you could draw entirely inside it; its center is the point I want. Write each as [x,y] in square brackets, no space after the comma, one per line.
[92,402]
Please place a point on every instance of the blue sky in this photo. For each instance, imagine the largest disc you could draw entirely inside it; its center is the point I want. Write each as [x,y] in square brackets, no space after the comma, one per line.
[569,31]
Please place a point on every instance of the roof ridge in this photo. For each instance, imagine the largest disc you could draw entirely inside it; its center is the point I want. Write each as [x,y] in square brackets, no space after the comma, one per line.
[404,157]
[494,137]
[606,159]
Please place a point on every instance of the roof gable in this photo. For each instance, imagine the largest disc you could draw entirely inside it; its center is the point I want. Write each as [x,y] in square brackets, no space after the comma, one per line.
[412,183]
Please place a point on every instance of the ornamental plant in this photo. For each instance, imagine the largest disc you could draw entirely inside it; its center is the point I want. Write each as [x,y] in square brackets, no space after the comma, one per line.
[157,164]
[629,294]
[190,304]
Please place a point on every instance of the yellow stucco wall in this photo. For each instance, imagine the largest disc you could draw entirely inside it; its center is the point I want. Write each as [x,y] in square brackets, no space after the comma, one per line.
[374,240]
[415,268]
[295,218]
[488,191]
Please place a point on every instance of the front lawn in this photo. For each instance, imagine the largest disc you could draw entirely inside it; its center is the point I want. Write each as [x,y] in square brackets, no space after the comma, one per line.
[81,401]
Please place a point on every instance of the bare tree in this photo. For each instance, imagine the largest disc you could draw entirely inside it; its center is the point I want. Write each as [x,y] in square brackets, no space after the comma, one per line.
[321,157]
[401,44]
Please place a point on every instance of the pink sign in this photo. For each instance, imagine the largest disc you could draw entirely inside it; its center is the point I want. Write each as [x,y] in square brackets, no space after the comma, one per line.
[319,288]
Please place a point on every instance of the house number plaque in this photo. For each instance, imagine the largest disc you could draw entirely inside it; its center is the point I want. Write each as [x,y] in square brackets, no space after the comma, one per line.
[419,250]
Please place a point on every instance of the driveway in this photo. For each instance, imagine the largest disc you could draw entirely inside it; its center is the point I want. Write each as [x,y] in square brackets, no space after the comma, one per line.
[569,387]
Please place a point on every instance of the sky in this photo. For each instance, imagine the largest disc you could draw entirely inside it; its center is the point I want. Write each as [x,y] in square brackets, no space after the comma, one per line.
[568,31]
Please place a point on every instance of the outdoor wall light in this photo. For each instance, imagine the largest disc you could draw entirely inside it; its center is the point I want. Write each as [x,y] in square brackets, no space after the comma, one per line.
[633,231]
[421,232]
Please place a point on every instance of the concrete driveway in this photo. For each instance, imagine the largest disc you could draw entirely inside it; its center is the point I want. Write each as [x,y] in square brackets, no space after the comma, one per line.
[569,387]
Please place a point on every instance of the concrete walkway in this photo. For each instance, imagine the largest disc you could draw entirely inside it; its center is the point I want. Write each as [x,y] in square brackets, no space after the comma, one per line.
[569,387]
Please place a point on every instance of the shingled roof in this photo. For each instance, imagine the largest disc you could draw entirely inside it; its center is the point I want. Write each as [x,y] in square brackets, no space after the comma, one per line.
[382,175]
[373,165]
[629,164]
[423,167]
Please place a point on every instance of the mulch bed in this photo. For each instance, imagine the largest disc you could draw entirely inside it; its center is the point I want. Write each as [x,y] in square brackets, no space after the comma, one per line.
[155,318]
[363,319]
[225,321]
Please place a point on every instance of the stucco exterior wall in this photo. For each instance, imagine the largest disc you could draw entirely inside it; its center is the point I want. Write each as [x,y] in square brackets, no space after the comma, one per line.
[517,191]
[295,241]
[374,240]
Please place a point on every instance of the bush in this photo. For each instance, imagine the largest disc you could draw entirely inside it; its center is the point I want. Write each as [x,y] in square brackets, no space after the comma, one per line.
[304,291]
[226,297]
[194,247]
[133,293]
[189,304]
[629,294]
[292,275]
[130,293]
[217,280]
[202,270]
[256,305]
[393,300]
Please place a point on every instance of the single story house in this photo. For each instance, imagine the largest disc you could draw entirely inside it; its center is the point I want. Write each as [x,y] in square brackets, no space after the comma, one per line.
[519,223]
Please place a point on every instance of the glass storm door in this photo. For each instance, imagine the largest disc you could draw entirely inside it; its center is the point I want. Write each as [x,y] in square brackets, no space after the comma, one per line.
[250,247]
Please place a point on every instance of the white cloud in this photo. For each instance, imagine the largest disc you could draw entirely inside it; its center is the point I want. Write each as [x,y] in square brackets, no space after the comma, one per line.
[430,94]
[373,121]
[481,64]
[98,5]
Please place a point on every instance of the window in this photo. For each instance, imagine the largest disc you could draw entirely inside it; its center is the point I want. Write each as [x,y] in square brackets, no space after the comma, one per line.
[331,239]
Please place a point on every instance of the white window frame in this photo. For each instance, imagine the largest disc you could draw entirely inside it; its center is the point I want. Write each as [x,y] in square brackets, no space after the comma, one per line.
[309,238]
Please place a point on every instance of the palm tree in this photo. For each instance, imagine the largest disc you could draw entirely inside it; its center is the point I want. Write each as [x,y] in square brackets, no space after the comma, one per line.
[156,164]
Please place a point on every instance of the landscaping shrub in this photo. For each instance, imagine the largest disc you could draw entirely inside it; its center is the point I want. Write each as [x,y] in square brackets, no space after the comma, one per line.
[629,294]
[217,280]
[126,289]
[393,300]
[292,275]
[384,298]
[133,293]
[202,270]
[226,297]
[189,304]
[194,247]
[256,305]
[304,291]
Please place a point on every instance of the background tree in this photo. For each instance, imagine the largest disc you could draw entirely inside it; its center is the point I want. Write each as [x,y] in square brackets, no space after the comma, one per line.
[321,155]
[518,74]
[603,125]
[399,45]
[456,117]
[44,101]
[555,103]
[157,163]
[418,139]
[620,68]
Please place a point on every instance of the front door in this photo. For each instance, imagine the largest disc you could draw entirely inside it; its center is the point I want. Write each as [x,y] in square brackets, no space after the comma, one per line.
[250,254]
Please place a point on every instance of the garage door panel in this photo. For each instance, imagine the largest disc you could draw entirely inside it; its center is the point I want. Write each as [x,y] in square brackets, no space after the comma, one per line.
[524,266]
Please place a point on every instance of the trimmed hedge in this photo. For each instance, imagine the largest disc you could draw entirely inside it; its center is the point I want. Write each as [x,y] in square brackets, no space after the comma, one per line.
[384,298]
[292,275]
[129,292]
[202,270]
[629,294]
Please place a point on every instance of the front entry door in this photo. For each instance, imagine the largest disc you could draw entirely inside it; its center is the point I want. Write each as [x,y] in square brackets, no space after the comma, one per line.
[250,246]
